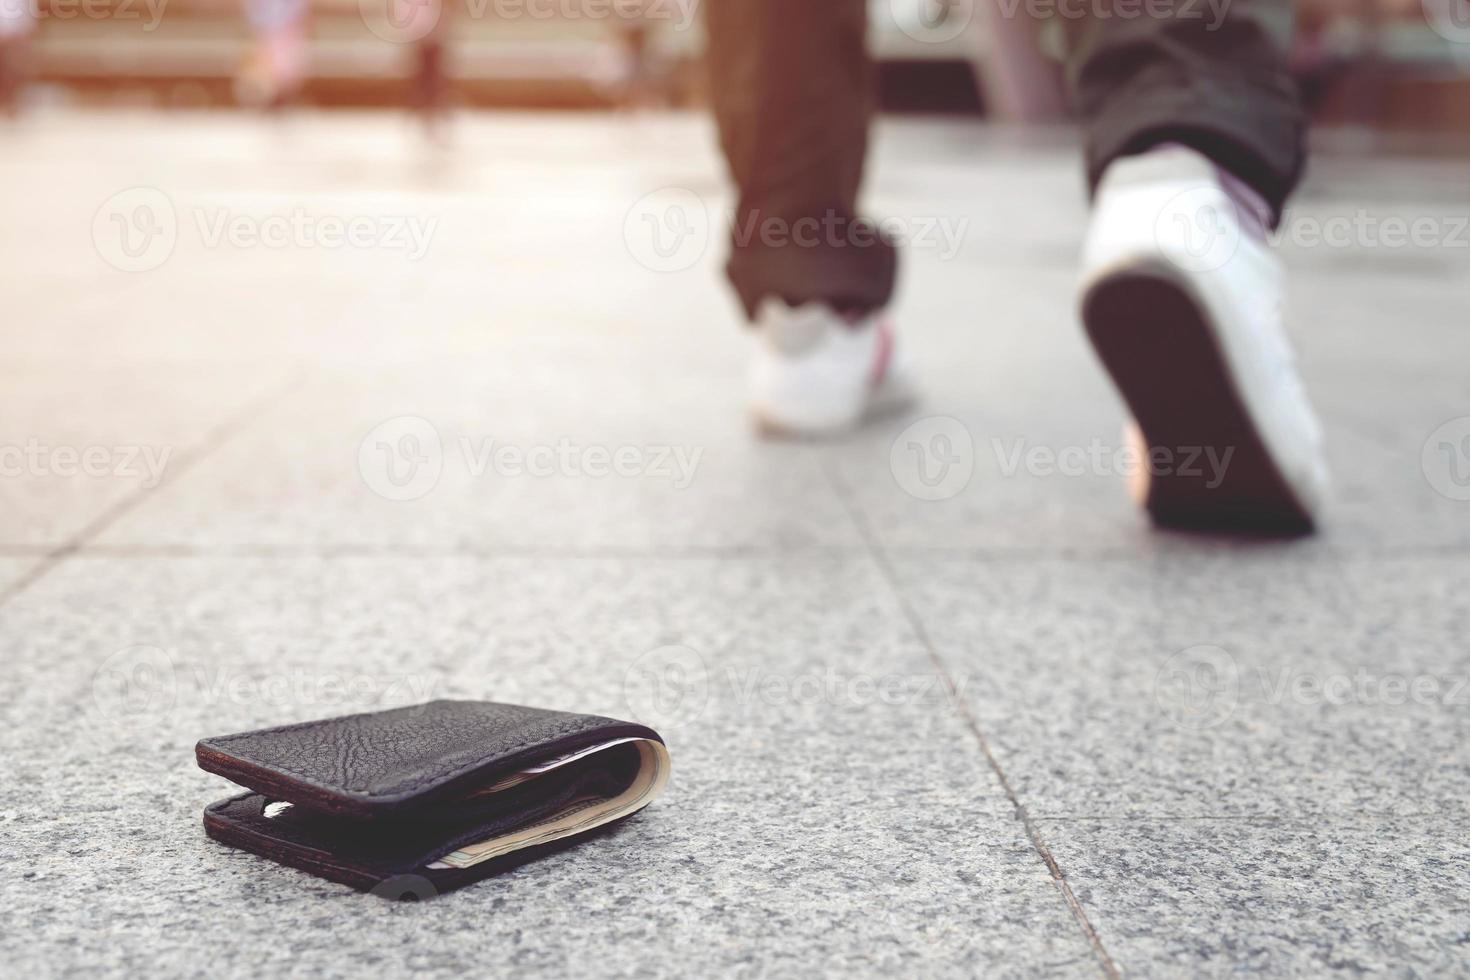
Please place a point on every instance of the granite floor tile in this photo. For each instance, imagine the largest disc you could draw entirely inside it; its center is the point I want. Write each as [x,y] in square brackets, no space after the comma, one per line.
[829,808]
[1008,483]
[1238,755]
[14,570]
[475,457]
[1252,683]
[1015,446]
[76,439]
[1214,898]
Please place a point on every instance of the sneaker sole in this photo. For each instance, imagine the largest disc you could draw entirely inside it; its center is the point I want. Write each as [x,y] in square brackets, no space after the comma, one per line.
[1161,351]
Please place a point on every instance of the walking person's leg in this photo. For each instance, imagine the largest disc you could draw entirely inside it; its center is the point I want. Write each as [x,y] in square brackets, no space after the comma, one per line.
[792,87]
[1194,140]
[1210,75]
[16,26]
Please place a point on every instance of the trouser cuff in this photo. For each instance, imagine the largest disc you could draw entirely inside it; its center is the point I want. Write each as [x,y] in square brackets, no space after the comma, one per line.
[1259,141]
[846,263]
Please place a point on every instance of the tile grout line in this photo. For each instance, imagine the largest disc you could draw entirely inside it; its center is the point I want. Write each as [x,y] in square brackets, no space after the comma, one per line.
[212,440]
[1033,833]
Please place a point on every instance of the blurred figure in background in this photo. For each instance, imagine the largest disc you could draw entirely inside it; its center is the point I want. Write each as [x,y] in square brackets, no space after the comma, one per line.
[16,25]
[1194,139]
[636,86]
[276,65]
[427,20]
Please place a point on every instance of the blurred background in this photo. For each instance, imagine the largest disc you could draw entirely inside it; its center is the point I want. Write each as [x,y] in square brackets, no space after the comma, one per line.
[1399,67]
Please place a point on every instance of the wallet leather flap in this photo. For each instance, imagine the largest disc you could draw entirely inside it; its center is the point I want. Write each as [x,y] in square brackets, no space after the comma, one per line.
[388,763]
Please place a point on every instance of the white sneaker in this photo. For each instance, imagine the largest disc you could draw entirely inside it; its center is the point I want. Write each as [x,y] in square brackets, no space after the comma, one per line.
[1184,306]
[816,372]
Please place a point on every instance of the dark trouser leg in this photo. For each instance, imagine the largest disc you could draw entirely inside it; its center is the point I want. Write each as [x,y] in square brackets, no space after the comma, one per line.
[1210,74]
[792,89]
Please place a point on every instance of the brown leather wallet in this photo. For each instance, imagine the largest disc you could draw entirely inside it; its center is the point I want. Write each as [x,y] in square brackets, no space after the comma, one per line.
[417,801]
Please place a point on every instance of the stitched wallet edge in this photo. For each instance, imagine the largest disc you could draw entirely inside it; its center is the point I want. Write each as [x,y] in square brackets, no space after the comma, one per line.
[278,784]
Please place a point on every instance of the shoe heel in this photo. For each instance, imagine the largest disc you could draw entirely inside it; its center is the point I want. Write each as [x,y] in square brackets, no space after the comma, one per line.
[1209,468]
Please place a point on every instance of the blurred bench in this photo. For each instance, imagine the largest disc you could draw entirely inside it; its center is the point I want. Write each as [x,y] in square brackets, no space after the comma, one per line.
[191,53]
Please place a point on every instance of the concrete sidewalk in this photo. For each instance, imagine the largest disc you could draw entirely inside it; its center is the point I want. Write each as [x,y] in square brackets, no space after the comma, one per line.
[303,419]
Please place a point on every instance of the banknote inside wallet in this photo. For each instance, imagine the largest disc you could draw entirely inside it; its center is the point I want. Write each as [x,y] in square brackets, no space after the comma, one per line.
[543,802]
[614,789]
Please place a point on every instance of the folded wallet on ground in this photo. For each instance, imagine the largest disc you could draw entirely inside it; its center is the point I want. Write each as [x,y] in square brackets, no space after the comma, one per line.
[417,801]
